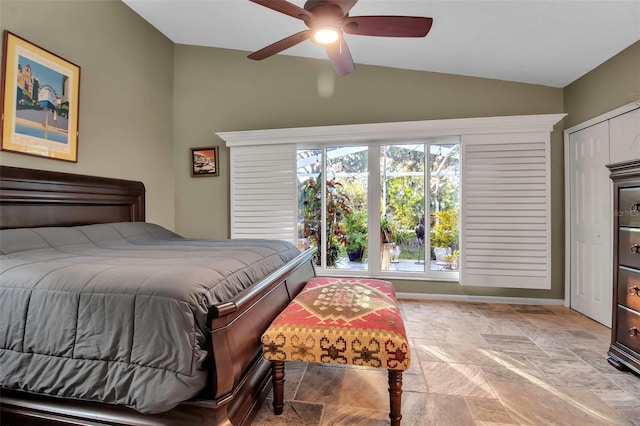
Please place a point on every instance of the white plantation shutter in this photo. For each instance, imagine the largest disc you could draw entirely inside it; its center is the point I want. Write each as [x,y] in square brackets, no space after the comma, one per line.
[263,192]
[506,215]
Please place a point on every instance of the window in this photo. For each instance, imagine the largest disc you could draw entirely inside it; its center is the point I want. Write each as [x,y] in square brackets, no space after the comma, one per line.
[499,166]
[333,205]
[337,195]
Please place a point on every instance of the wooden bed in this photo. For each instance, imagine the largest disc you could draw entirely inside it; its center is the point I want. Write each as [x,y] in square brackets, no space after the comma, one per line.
[239,377]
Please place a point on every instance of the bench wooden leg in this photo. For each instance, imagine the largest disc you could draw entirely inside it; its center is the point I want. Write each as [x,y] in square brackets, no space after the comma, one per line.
[277,380]
[395,396]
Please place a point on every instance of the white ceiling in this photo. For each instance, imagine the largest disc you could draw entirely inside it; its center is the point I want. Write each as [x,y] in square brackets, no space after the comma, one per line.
[547,42]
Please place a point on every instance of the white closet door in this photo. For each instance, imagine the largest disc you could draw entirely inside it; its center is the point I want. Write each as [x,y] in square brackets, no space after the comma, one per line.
[624,132]
[590,192]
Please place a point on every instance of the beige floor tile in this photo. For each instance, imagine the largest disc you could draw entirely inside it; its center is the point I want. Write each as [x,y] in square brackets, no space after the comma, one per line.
[467,353]
[457,380]
[631,415]
[475,364]
[413,383]
[414,408]
[418,329]
[448,410]
[345,386]
[295,413]
[339,415]
[489,411]
[547,405]
[459,337]
[505,373]
[427,350]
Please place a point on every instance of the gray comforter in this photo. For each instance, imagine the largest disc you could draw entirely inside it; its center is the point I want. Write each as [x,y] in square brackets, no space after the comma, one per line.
[116,313]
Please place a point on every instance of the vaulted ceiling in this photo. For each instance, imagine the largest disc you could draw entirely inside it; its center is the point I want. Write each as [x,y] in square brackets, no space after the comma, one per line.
[547,42]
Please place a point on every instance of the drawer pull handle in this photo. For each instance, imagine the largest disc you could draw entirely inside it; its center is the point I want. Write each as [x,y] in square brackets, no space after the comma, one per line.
[635,207]
[633,332]
[634,290]
[635,248]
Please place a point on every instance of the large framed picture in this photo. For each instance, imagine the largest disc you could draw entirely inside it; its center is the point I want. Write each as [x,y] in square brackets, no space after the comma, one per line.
[204,161]
[40,97]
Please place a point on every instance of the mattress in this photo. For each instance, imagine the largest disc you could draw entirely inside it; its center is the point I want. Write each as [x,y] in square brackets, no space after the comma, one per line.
[117,312]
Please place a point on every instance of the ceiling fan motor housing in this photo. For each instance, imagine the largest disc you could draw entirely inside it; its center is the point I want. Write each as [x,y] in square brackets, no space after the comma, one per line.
[323,6]
[323,14]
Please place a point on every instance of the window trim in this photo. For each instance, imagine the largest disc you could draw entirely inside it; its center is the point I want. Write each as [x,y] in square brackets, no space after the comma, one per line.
[397,131]
[383,133]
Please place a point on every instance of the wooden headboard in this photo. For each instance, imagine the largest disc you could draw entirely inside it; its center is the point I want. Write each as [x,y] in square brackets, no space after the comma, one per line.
[31,198]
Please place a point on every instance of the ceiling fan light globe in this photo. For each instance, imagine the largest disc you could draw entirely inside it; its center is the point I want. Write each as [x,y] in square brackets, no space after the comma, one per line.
[326,35]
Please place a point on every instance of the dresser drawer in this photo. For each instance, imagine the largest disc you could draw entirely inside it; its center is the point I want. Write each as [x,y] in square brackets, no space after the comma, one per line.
[629,207]
[628,328]
[629,247]
[629,288]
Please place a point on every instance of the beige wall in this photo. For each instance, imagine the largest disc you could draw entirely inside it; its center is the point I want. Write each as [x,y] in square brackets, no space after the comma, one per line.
[613,84]
[145,102]
[221,90]
[126,92]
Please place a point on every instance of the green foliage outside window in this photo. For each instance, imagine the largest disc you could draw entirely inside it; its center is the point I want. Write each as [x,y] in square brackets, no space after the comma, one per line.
[402,198]
[310,210]
[405,201]
[356,235]
[447,194]
[445,231]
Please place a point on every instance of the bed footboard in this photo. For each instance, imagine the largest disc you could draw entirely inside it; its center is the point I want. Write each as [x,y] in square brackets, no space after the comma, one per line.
[235,328]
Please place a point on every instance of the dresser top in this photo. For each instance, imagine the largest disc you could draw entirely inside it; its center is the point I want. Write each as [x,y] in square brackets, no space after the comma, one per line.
[625,169]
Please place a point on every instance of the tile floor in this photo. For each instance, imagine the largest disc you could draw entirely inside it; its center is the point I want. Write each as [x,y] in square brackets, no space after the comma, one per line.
[475,364]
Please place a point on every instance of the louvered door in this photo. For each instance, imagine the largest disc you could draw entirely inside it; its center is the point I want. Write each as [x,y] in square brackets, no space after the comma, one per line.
[263,192]
[506,216]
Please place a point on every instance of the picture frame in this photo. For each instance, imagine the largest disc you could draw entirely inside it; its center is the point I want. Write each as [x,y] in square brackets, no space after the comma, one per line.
[40,101]
[204,161]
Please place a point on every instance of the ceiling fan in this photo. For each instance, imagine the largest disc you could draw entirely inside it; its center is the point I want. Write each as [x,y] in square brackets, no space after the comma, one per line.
[329,19]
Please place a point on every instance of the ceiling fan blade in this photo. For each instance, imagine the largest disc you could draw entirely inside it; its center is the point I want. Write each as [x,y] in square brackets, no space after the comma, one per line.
[281,45]
[340,57]
[388,26]
[285,7]
[345,5]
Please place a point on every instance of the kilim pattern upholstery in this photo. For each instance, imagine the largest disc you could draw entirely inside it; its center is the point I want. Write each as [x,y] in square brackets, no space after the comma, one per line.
[340,321]
[343,321]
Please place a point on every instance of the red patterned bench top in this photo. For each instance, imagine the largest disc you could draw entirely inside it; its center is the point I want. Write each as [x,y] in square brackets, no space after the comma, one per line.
[341,320]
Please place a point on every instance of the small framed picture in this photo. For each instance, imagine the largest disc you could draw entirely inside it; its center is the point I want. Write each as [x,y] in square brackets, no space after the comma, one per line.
[40,95]
[204,161]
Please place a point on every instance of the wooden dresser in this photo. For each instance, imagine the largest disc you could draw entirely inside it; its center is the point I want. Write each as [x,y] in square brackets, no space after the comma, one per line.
[624,352]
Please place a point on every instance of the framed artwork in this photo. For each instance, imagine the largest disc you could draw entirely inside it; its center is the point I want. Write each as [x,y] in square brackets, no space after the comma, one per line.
[204,161]
[40,101]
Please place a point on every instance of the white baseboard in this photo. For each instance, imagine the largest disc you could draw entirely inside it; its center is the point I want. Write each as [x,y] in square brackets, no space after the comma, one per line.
[484,299]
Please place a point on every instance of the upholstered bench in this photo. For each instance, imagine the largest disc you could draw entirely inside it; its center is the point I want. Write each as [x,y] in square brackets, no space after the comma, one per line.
[340,321]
